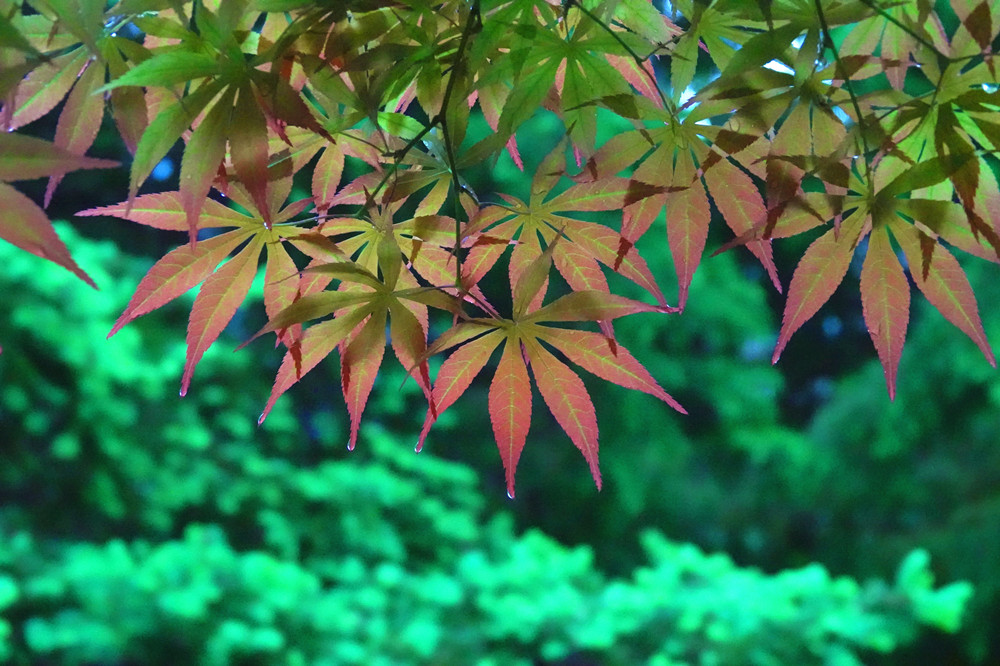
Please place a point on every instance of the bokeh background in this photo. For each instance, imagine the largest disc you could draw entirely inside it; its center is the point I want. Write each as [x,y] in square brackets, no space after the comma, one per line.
[795,516]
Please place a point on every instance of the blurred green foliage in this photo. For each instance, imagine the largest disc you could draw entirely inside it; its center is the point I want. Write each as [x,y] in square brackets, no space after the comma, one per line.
[140,528]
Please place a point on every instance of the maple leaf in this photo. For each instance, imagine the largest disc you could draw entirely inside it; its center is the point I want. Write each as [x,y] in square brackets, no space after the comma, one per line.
[362,305]
[568,54]
[676,159]
[894,33]
[586,245]
[225,287]
[875,213]
[75,44]
[562,389]
[885,297]
[236,104]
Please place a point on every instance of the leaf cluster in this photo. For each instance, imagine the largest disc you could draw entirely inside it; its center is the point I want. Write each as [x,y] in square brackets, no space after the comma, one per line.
[869,121]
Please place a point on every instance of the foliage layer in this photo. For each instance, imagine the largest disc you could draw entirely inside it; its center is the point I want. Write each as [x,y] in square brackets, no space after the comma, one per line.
[871,122]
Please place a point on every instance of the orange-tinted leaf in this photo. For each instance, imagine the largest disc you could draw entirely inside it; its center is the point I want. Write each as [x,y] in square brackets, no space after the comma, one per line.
[358,367]
[24,224]
[510,408]
[819,273]
[529,272]
[326,176]
[177,272]
[943,283]
[590,306]
[950,221]
[885,298]
[608,247]
[163,210]
[456,374]
[740,204]
[592,352]
[316,344]
[580,270]
[612,193]
[281,287]
[217,302]
[688,215]
[79,120]
[25,157]
[568,400]
[618,153]
[408,335]
[46,86]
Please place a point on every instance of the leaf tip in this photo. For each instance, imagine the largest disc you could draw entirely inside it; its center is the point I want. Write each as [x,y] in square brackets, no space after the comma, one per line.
[777,352]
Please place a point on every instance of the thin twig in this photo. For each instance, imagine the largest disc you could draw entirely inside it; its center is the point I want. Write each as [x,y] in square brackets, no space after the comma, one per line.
[473,22]
[828,42]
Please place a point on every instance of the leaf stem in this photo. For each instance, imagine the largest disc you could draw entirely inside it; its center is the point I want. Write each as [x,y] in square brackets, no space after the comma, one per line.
[828,42]
[473,22]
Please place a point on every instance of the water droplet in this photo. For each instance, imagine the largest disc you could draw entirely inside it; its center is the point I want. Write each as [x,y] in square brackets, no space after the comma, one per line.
[990,87]
[350,446]
[510,494]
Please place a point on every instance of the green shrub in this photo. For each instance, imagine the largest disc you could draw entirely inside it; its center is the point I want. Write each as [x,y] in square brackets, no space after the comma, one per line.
[139,528]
